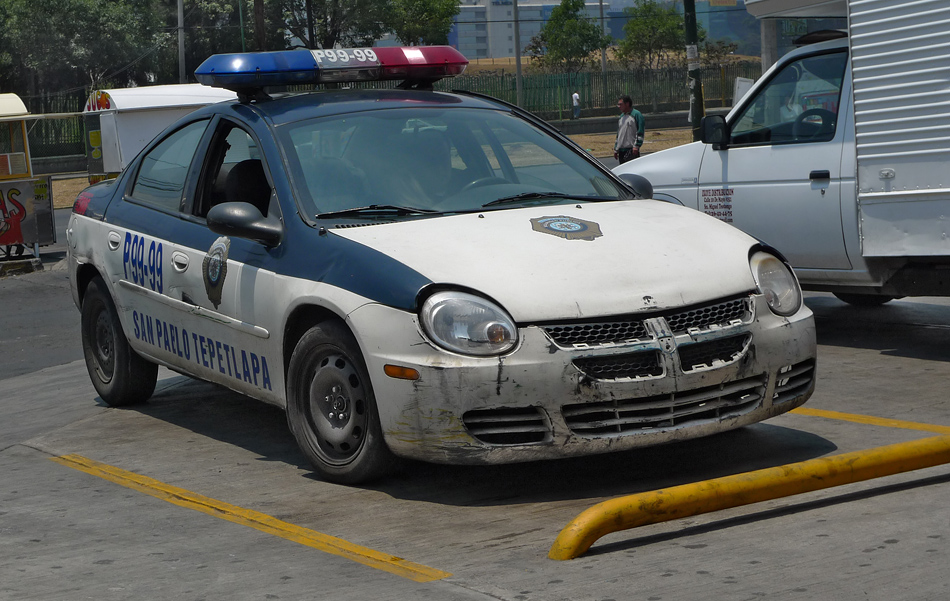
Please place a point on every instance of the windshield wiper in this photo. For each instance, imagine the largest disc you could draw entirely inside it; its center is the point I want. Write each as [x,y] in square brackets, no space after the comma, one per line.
[377,210]
[526,196]
[544,195]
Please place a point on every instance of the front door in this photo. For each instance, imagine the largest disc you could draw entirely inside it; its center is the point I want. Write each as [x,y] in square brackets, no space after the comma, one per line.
[780,178]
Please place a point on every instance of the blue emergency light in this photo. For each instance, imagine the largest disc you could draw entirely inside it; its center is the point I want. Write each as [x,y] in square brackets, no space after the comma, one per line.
[249,72]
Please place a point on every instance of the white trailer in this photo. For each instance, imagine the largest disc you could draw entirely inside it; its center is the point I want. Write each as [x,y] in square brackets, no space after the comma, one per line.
[839,156]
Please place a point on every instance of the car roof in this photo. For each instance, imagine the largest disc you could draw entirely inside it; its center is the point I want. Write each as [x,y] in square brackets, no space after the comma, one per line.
[288,108]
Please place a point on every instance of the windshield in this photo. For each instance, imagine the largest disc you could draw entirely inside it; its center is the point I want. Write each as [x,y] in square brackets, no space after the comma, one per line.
[435,159]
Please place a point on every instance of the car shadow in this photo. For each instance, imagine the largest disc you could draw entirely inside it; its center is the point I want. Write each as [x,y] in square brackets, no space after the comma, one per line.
[914,330]
[229,417]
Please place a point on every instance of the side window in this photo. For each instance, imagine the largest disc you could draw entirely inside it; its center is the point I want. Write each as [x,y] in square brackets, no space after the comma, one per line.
[799,104]
[160,181]
[234,172]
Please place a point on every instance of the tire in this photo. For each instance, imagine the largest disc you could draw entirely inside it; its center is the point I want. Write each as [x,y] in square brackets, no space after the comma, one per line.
[121,376]
[331,408]
[864,300]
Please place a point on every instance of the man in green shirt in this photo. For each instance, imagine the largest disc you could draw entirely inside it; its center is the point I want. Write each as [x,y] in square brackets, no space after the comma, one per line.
[629,132]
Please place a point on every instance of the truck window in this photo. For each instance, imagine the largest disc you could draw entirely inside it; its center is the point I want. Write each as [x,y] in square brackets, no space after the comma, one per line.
[799,104]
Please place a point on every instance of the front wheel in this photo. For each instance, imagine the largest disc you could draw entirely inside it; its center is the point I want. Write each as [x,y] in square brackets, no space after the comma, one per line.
[331,409]
[121,376]
[865,300]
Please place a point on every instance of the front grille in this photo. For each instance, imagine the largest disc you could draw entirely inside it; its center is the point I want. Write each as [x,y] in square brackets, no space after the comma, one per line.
[793,381]
[605,332]
[704,354]
[508,425]
[629,416]
[630,328]
[719,314]
[631,365]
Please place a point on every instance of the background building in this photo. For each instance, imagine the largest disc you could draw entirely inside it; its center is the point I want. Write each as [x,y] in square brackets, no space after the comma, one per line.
[485,28]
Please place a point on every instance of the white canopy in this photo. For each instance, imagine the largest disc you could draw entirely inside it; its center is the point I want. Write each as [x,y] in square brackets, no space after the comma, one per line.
[150,97]
[11,105]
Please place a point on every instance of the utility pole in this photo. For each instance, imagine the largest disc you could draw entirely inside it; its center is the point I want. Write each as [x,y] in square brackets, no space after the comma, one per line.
[241,18]
[603,58]
[519,89]
[693,75]
[603,51]
[182,78]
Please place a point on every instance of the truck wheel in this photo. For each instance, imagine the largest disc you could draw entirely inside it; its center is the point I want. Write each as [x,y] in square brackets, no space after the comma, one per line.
[331,409]
[121,376]
[865,300]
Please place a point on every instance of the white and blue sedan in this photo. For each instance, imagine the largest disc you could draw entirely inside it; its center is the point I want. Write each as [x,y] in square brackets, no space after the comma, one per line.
[421,274]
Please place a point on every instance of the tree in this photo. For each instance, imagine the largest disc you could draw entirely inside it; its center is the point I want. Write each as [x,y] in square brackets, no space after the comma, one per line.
[654,36]
[424,22]
[343,22]
[718,52]
[568,40]
[62,44]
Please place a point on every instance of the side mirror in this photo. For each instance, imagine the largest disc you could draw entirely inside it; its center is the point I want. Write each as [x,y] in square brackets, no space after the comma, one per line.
[714,130]
[244,220]
[641,185]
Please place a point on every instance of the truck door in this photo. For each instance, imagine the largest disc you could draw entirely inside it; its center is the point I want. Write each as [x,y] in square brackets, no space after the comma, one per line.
[780,177]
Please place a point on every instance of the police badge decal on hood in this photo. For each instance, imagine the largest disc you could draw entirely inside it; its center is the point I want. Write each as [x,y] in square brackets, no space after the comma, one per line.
[214,268]
[566,227]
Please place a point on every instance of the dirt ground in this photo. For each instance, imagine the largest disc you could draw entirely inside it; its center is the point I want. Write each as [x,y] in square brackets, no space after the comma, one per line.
[602,145]
[65,190]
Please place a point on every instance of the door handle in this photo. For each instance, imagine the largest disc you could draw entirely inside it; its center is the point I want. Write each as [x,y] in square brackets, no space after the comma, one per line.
[820,174]
[179,261]
[115,239]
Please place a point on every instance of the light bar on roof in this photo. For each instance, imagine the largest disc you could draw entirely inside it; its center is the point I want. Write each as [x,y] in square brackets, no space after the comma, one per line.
[254,70]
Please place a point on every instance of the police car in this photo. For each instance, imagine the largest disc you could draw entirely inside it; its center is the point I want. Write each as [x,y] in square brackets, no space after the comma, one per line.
[427,275]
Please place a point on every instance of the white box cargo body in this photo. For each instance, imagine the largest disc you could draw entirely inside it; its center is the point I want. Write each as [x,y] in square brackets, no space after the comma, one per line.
[900,68]
[839,156]
[120,122]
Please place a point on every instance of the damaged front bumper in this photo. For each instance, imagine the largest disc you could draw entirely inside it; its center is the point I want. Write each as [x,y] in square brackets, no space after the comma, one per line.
[587,387]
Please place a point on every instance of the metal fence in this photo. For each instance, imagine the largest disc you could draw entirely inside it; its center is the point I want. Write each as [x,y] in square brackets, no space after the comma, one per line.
[56,137]
[549,96]
[654,91]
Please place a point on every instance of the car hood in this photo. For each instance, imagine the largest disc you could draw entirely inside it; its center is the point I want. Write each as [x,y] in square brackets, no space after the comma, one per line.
[573,261]
[674,167]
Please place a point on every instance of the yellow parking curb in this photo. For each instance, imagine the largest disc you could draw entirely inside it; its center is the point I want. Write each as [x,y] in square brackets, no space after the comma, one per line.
[742,489]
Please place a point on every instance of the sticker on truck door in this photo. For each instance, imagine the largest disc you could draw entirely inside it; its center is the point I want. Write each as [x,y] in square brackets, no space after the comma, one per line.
[717,202]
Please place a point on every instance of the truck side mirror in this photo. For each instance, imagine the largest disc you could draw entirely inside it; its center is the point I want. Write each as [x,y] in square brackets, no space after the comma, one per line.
[714,130]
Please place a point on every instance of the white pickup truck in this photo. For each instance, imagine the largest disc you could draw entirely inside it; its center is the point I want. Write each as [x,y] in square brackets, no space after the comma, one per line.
[839,157]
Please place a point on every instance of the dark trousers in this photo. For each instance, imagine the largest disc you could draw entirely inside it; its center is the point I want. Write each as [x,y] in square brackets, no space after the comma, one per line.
[627,154]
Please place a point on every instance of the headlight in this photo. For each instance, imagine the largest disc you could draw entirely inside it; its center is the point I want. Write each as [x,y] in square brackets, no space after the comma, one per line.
[468,324]
[777,283]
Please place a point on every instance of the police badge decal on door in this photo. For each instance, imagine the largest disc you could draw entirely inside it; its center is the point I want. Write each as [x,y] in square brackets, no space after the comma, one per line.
[214,269]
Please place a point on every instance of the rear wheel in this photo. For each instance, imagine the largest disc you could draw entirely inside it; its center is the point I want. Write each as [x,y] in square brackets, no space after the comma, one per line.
[864,300]
[331,409]
[120,375]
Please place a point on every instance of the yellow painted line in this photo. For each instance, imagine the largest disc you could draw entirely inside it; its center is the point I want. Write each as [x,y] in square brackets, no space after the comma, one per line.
[871,420]
[253,519]
[742,489]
